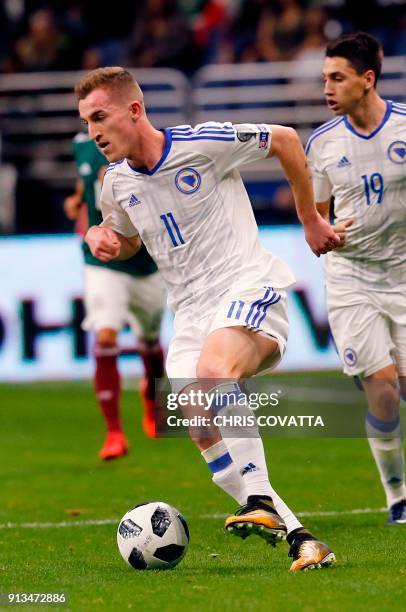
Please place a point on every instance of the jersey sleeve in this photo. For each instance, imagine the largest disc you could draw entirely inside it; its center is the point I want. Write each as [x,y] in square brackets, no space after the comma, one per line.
[114,216]
[321,183]
[231,146]
[252,143]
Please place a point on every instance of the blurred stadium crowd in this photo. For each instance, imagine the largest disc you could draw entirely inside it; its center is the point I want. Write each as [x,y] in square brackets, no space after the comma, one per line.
[43,44]
[184,34]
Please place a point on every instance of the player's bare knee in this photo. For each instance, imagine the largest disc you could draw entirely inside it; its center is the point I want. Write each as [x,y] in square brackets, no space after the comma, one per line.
[383,395]
[217,367]
[204,438]
[106,337]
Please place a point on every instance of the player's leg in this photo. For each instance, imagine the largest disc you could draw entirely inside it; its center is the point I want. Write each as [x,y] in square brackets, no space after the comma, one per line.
[396,308]
[384,434]
[235,353]
[152,356]
[230,354]
[367,345]
[147,307]
[105,298]
[108,387]
[184,352]
[183,355]
[399,513]
[262,351]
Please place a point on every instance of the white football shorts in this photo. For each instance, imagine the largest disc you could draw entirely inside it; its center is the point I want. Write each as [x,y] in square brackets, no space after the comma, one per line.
[369,328]
[114,299]
[262,309]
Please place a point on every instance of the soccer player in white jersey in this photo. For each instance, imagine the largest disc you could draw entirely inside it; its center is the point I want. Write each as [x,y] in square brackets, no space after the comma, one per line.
[359,158]
[179,192]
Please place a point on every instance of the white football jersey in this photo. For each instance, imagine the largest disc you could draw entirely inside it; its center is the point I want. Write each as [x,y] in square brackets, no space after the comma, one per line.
[367,177]
[193,213]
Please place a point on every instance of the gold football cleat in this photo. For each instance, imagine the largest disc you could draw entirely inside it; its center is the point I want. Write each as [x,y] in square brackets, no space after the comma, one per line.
[309,553]
[258,516]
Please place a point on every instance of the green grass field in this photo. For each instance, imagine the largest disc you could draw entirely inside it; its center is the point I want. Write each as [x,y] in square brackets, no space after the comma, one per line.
[54,491]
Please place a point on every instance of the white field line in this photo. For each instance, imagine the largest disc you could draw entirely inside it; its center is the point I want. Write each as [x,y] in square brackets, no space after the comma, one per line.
[95,523]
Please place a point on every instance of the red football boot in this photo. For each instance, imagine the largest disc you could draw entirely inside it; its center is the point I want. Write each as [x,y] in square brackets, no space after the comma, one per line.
[115,445]
[148,410]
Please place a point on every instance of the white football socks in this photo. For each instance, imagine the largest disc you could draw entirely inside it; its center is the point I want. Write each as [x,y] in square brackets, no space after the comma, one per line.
[225,474]
[385,441]
[247,452]
[238,449]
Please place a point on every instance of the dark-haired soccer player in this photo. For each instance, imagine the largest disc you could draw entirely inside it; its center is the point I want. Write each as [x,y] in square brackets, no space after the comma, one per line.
[228,292]
[116,293]
[360,158]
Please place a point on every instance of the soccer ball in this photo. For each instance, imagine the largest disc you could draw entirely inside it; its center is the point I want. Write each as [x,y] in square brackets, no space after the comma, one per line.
[153,535]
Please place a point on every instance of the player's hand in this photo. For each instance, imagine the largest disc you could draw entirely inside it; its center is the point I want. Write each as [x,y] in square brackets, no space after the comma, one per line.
[72,205]
[103,243]
[320,236]
[341,230]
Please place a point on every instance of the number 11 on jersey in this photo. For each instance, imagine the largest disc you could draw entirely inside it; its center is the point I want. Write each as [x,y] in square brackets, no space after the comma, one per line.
[173,229]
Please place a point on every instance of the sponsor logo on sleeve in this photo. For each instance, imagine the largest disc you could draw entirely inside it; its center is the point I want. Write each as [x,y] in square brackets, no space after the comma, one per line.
[263,140]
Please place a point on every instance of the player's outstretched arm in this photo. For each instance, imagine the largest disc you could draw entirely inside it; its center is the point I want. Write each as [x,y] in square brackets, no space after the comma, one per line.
[287,147]
[106,244]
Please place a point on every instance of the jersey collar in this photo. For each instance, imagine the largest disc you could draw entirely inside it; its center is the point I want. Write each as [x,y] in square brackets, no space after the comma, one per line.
[377,129]
[167,148]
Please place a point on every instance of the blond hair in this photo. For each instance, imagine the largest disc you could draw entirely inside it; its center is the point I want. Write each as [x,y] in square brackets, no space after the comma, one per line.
[112,77]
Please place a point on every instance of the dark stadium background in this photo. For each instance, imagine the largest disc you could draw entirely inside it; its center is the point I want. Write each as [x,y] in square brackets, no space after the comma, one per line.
[44,44]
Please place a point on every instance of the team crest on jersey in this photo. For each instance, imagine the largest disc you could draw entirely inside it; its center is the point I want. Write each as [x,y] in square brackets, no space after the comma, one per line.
[188,180]
[397,152]
[350,357]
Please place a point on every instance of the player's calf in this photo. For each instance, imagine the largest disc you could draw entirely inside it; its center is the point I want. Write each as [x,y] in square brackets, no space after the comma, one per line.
[384,433]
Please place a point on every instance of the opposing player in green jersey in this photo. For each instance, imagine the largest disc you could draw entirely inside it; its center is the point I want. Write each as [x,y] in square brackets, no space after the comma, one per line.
[116,293]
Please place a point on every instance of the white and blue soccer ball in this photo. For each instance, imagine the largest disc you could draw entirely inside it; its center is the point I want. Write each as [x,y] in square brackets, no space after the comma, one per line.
[153,535]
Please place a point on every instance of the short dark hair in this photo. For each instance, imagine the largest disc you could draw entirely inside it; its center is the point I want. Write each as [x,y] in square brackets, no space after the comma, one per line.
[363,51]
